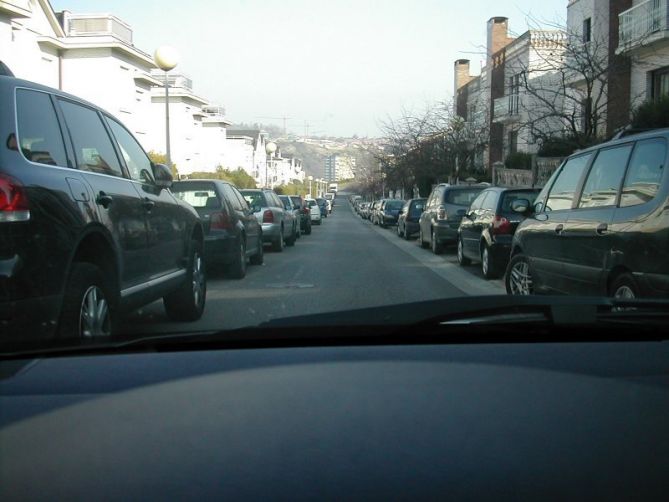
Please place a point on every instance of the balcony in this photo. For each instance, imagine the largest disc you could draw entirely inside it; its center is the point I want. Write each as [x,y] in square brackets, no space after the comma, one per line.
[78,25]
[507,109]
[643,25]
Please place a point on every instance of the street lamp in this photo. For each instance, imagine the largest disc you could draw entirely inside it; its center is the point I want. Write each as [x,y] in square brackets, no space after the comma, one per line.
[269,149]
[166,58]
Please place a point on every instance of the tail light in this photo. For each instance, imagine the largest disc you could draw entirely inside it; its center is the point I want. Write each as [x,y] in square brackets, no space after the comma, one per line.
[13,201]
[441,213]
[268,216]
[220,221]
[501,225]
[305,210]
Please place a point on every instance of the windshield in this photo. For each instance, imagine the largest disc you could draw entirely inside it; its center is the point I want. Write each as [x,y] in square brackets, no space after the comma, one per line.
[532,139]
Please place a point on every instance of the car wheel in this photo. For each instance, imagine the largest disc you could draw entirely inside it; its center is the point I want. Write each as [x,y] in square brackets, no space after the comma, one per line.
[259,257]
[308,230]
[421,240]
[278,243]
[399,231]
[87,312]
[436,247]
[624,287]
[187,302]
[291,240]
[238,268]
[487,267]
[462,259]
[519,280]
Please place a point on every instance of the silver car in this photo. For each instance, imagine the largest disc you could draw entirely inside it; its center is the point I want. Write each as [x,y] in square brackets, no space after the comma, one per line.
[277,223]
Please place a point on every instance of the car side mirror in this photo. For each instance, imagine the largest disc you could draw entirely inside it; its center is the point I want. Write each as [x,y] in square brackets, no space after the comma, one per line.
[520,206]
[162,175]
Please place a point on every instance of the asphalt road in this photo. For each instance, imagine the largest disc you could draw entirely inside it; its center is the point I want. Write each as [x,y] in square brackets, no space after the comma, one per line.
[346,263]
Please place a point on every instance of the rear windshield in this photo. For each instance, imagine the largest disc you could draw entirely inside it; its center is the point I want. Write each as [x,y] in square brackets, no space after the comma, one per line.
[296,200]
[287,203]
[321,201]
[312,203]
[418,206]
[509,197]
[198,195]
[254,198]
[394,204]
[461,197]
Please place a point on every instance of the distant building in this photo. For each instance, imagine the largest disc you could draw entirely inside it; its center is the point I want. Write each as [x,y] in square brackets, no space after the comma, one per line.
[338,167]
[245,149]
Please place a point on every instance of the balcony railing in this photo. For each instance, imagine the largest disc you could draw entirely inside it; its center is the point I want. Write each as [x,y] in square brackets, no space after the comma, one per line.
[642,23]
[507,108]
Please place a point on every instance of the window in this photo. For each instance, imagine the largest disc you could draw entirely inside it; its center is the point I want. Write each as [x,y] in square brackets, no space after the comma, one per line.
[231,197]
[660,83]
[645,172]
[490,202]
[40,137]
[510,197]
[601,187]
[514,90]
[513,142]
[203,197]
[92,145]
[563,190]
[587,30]
[461,197]
[242,201]
[478,201]
[137,161]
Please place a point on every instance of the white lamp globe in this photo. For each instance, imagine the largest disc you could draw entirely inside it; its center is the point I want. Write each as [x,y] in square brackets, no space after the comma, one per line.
[166,57]
[270,148]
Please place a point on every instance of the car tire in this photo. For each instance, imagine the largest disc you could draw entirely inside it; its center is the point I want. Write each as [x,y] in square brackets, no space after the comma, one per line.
[519,279]
[463,261]
[87,312]
[624,287]
[308,230]
[436,247]
[291,240]
[259,257]
[421,240]
[488,267]
[237,269]
[278,243]
[399,231]
[187,302]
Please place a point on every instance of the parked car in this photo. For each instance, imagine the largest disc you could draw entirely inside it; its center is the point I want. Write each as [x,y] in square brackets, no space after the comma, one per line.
[277,223]
[487,228]
[232,233]
[305,213]
[83,208]
[600,225]
[323,205]
[407,221]
[439,223]
[389,212]
[315,211]
[296,217]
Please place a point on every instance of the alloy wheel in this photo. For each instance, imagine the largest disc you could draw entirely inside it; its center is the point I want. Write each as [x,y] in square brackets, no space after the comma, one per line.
[197,278]
[485,261]
[624,292]
[520,278]
[94,317]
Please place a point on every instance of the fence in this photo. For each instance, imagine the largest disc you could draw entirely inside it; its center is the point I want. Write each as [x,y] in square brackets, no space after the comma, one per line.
[542,169]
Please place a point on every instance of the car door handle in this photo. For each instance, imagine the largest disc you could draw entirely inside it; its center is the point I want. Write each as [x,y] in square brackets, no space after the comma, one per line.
[559,228]
[104,200]
[148,204]
[602,228]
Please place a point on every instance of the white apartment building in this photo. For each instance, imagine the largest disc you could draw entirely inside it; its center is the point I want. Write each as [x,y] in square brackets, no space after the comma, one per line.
[92,56]
[339,167]
[246,149]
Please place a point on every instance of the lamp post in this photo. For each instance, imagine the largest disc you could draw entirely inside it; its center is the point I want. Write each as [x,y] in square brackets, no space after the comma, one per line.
[269,149]
[166,58]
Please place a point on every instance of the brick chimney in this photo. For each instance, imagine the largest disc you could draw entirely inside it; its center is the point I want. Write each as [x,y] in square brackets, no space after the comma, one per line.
[461,73]
[498,38]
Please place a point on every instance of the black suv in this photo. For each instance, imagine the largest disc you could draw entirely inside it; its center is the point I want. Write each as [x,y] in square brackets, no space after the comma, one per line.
[600,226]
[88,225]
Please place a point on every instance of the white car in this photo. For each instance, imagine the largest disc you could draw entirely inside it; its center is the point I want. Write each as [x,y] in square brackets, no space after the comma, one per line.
[314,211]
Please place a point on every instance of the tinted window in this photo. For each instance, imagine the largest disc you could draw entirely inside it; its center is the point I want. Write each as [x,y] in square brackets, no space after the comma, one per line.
[605,176]
[92,145]
[242,201]
[418,207]
[297,201]
[312,203]
[478,201]
[40,137]
[509,197]
[463,197]
[139,165]
[394,204]
[231,196]
[562,191]
[644,173]
[198,195]
[287,204]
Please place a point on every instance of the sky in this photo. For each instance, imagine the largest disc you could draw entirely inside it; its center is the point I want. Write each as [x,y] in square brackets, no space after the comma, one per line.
[341,66]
